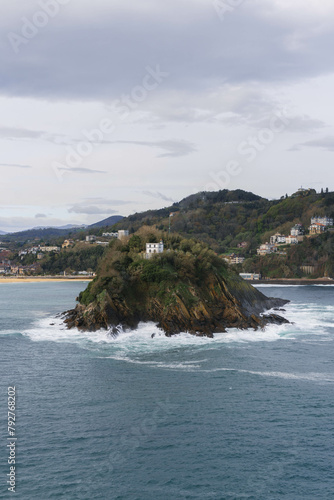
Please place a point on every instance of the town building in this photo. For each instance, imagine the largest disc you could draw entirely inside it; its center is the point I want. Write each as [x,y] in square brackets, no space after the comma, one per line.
[291,240]
[278,239]
[152,248]
[90,238]
[317,228]
[266,249]
[324,221]
[297,230]
[110,235]
[67,243]
[250,276]
[122,233]
[234,259]
[48,249]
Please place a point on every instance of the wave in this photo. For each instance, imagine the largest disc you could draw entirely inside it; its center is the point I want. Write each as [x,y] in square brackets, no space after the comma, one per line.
[53,329]
[148,345]
[312,376]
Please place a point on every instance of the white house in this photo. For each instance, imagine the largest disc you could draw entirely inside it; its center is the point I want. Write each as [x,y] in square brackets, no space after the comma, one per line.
[90,238]
[49,249]
[291,240]
[234,259]
[250,276]
[110,235]
[317,228]
[324,221]
[297,230]
[266,249]
[277,238]
[122,233]
[152,248]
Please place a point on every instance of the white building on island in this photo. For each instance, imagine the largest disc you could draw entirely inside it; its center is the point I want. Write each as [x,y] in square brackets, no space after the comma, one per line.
[152,248]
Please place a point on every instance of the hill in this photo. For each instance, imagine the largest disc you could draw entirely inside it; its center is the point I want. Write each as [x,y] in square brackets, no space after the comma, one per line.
[186,288]
[225,220]
[41,233]
[110,221]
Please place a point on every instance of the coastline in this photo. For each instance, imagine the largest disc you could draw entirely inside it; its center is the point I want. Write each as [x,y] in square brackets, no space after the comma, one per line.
[41,279]
[293,281]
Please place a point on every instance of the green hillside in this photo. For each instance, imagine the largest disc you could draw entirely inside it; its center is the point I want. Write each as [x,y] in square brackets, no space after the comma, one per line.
[225,219]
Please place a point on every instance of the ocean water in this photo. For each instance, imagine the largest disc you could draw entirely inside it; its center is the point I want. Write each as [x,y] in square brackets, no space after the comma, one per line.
[246,415]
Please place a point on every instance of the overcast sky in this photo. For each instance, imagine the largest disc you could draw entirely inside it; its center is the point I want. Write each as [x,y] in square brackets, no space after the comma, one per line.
[113,107]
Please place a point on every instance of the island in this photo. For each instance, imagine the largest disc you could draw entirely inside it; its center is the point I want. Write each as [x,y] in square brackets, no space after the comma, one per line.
[179,284]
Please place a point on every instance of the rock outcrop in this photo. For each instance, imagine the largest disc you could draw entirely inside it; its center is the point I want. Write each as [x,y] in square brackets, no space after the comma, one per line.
[180,291]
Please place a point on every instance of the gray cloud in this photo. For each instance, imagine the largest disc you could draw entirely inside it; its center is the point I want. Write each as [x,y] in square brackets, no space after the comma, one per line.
[326,143]
[16,165]
[173,148]
[187,40]
[302,123]
[90,210]
[82,170]
[105,201]
[16,133]
[40,216]
[158,195]
[20,133]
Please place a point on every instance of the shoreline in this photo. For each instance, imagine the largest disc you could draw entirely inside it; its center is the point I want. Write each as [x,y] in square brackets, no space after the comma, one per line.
[41,279]
[293,281]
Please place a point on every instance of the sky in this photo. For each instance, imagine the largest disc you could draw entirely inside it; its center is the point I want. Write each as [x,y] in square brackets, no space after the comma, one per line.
[117,107]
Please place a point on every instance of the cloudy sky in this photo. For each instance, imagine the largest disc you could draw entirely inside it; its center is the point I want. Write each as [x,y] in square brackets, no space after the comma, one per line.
[112,107]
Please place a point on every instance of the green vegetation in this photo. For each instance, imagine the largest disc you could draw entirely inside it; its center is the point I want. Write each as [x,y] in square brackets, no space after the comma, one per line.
[123,270]
[221,220]
[85,259]
[225,219]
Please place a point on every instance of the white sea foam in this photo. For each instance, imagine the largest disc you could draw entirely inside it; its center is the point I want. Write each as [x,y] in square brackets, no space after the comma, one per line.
[312,376]
[9,332]
[309,322]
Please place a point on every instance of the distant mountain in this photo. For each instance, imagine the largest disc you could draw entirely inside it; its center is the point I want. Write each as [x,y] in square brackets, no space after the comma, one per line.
[62,231]
[40,233]
[72,226]
[67,226]
[3,232]
[110,221]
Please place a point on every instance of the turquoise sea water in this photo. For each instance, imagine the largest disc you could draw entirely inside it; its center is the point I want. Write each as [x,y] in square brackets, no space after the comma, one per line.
[246,415]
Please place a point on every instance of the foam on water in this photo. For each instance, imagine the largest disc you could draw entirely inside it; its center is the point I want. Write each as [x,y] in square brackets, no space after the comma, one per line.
[53,329]
[148,345]
[311,376]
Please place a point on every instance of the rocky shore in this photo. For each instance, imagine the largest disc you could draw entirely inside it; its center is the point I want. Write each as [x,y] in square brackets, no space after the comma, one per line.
[218,306]
[189,289]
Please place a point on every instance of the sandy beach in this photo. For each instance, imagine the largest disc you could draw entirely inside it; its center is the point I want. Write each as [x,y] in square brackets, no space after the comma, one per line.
[39,279]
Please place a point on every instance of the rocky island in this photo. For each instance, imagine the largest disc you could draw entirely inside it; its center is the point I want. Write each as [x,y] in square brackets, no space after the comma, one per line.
[185,287]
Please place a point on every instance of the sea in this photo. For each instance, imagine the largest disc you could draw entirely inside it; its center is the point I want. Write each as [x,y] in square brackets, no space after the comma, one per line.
[246,415]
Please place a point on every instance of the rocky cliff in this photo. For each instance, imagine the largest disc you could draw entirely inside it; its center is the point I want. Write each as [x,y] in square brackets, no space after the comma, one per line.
[187,288]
